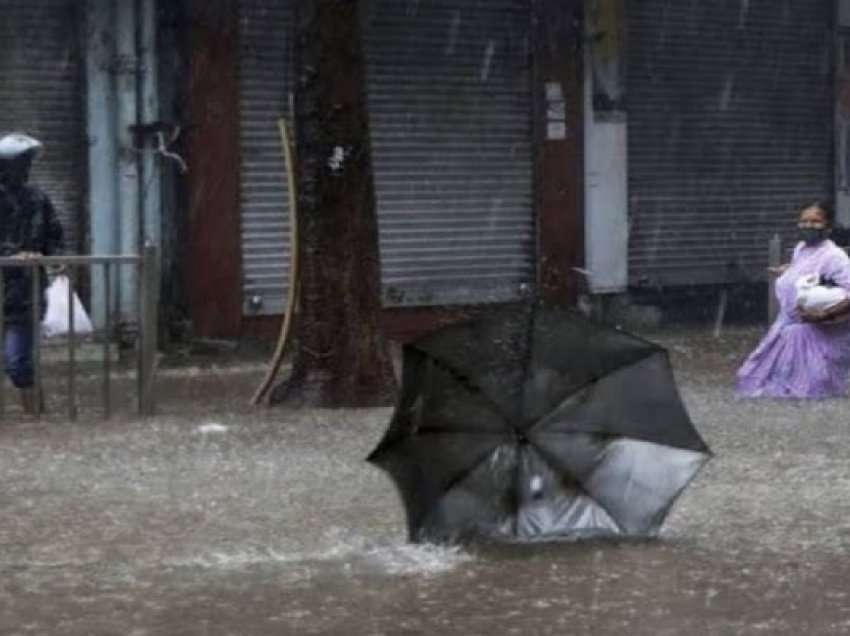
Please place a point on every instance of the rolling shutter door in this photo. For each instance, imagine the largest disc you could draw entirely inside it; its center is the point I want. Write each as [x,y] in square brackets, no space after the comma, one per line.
[730,128]
[40,83]
[449,94]
[264,83]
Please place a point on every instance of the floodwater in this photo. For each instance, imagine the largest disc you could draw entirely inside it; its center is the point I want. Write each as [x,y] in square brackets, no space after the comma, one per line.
[216,519]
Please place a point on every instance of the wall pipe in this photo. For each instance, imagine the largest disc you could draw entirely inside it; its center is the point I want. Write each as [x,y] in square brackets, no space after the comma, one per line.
[128,166]
[148,92]
[99,47]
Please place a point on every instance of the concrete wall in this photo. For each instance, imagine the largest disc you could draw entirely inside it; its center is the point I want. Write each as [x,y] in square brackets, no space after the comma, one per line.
[605,150]
[606,204]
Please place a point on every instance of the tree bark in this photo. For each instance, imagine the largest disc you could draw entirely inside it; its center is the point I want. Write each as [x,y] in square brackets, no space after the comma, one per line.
[340,355]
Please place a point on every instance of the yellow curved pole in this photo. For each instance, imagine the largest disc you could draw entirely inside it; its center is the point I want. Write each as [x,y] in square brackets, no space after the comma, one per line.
[294,264]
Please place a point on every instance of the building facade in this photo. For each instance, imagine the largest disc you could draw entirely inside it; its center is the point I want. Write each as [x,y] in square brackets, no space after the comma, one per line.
[461,142]
[598,146]
[726,127]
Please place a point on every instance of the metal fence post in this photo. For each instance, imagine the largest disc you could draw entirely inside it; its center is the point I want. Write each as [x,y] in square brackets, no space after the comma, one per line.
[149,295]
[72,348]
[38,393]
[774,259]
[148,328]
[107,334]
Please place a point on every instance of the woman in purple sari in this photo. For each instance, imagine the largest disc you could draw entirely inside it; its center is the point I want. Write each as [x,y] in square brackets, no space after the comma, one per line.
[806,354]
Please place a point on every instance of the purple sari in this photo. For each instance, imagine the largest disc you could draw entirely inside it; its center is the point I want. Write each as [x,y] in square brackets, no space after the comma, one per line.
[797,359]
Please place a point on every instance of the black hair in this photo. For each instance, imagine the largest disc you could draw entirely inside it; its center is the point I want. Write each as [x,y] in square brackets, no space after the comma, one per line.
[826,207]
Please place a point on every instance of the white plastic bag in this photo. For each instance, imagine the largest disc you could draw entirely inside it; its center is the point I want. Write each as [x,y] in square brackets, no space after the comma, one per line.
[55,321]
[812,296]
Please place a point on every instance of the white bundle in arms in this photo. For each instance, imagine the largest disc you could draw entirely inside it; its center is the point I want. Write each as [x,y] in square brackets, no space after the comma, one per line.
[814,296]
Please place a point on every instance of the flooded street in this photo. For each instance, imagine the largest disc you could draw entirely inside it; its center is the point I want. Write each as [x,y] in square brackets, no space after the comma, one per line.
[191,189]
[216,519]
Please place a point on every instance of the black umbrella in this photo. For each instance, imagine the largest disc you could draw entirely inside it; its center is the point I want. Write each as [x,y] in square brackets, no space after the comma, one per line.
[533,423]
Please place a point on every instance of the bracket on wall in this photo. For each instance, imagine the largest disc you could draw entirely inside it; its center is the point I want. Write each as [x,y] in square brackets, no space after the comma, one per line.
[159,136]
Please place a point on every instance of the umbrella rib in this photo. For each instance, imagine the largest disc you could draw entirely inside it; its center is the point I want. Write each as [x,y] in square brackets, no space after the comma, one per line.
[435,430]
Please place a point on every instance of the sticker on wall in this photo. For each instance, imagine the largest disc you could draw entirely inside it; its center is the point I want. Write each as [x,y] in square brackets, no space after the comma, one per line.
[556,112]
[556,130]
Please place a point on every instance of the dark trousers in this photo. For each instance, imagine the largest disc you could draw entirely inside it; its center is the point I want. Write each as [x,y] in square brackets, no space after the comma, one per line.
[17,354]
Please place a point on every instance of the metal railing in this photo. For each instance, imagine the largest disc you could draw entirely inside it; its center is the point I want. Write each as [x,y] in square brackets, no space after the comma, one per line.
[146,265]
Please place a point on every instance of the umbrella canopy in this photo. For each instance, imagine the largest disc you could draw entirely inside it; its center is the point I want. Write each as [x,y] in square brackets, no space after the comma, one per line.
[532,423]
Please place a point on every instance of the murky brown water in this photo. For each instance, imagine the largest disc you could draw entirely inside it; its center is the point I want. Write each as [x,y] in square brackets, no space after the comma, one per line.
[213,519]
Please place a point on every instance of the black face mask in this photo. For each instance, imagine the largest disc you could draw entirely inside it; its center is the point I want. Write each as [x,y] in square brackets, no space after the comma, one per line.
[812,235]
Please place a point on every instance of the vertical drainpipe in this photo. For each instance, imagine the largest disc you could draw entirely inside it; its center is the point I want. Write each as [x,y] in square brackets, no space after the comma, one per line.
[101,123]
[151,199]
[128,164]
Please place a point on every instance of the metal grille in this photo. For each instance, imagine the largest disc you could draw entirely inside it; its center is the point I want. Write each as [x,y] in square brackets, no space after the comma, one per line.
[449,94]
[40,84]
[730,129]
[264,76]
[450,108]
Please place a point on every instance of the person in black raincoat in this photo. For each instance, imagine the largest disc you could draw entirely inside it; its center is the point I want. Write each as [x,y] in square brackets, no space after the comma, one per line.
[28,228]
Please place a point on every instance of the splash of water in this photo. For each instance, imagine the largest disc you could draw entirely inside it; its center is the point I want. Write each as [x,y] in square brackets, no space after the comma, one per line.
[394,559]
[212,427]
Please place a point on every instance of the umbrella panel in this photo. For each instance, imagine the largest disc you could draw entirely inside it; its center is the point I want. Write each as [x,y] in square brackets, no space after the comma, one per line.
[634,481]
[638,401]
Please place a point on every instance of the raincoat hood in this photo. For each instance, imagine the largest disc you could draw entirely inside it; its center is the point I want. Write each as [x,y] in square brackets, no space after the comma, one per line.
[18,144]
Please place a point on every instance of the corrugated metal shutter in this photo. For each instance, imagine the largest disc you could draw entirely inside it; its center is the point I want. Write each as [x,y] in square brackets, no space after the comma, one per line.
[730,127]
[40,83]
[264,77]
[449,94]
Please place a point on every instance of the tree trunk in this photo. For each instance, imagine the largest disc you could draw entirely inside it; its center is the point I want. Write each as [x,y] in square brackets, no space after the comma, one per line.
[340,356]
